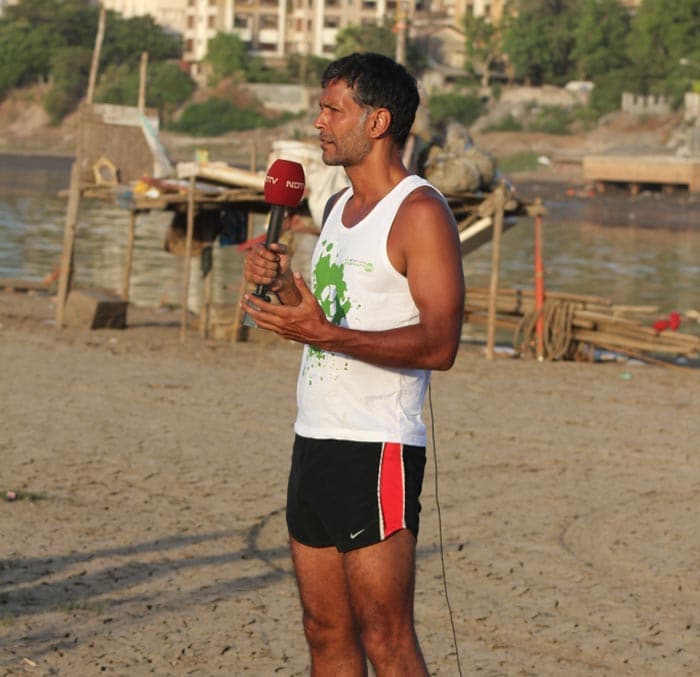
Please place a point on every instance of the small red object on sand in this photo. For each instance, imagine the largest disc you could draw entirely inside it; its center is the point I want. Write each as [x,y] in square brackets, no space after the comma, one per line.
[672,322]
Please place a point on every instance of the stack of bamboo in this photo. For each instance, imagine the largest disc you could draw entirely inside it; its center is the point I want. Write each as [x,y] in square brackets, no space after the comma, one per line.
[573,323]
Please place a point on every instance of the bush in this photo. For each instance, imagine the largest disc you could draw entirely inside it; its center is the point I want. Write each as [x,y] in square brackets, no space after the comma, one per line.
[71,68]
[607,93]
[454,107]
[552,120]
[167,87]
[509,123]
[218,116]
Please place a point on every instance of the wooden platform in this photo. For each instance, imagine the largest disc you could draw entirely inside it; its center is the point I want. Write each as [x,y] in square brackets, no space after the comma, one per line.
[639,170]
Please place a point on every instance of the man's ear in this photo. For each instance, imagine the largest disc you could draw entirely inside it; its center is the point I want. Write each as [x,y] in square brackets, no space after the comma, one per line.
[380,121]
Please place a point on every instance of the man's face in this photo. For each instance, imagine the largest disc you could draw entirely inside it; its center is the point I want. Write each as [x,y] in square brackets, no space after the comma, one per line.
[342,126]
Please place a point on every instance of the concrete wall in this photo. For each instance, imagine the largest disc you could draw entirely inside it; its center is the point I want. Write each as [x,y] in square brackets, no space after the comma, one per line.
[291,98]
[645,105]
[692,107]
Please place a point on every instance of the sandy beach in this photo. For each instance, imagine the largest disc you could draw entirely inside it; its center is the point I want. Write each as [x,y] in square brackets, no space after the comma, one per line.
[146,535]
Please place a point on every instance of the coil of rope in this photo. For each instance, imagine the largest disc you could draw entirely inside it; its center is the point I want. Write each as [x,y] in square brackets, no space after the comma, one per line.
[558,333]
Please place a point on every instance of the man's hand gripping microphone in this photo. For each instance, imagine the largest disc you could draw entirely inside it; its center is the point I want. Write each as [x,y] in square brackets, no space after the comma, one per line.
[284,187]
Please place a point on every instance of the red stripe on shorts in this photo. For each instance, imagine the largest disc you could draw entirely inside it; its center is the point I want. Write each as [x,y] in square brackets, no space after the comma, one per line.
[391,489]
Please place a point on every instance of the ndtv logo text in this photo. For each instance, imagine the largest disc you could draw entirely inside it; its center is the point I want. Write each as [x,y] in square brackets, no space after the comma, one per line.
[288,183]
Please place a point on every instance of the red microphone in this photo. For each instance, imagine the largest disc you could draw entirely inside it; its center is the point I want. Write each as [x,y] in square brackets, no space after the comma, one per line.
[284,187]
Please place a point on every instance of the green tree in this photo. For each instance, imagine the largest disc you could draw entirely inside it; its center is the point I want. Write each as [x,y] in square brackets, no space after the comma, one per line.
[35,34]
[538,40]
[167,87]
[370,38]
[600,38]
[306,69]
[70,68]
[664,40]
[227,55]
[482,43]
[379,39]
[126,39]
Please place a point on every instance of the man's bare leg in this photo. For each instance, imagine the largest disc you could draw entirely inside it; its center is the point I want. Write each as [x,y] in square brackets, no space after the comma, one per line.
[381,583]
[329,626]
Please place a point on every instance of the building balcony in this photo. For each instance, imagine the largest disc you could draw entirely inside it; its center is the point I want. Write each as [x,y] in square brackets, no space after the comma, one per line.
[328,36]
[245,34]
[268,36]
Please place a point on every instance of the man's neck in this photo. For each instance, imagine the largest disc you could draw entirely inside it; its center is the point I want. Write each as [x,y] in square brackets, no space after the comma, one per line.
[375,176]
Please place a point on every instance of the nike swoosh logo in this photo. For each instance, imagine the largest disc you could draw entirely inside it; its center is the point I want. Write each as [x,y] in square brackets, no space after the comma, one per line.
[354,535]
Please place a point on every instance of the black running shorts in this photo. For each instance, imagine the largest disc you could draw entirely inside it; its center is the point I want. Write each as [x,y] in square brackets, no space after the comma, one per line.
[352,494]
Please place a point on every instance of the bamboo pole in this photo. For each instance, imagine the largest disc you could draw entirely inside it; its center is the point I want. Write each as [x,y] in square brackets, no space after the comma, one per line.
[188,259]
[67,256]
[241,332]
[66,274]
[400,30]
[131,236]
[539,289]
[94,65]
[142,82]
[205,314]
[495,265]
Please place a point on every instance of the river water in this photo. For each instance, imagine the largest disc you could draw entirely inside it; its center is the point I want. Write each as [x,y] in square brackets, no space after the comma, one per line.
[642,250]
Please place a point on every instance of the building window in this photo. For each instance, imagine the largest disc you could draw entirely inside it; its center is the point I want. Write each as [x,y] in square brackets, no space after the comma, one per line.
[268,21]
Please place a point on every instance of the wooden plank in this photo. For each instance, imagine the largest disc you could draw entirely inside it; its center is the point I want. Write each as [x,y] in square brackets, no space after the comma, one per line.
[66,274]
[499,201]
[14,284]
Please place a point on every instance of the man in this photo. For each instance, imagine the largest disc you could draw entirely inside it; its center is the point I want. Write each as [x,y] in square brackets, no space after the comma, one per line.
[386,308]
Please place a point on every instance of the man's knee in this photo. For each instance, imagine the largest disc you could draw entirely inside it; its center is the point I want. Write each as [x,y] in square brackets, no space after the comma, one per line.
[386,639]
[327,632]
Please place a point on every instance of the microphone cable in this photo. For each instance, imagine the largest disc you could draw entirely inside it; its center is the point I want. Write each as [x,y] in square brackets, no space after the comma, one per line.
[442,544]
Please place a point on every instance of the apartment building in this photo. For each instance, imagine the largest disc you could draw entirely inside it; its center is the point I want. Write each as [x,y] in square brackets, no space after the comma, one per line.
[274,29]
[456,9]
[6,3]
[168,13]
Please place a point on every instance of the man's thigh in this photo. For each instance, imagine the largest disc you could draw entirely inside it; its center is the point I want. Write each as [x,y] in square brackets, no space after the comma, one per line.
[381,580]
[366,585]
[320,574]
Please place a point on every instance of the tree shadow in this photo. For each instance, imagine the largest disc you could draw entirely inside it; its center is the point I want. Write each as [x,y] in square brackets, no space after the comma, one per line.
[31,586]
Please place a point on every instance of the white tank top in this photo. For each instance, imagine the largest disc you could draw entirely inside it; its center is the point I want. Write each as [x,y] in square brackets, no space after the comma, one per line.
[340,397]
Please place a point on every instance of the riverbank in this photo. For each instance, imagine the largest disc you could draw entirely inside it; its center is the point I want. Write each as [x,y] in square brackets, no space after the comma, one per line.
[143,533]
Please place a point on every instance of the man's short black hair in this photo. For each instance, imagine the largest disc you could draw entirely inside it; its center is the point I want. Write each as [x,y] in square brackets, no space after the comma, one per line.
[379,82]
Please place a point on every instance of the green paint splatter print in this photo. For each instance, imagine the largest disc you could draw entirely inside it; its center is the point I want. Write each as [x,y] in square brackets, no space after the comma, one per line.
[330,288]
